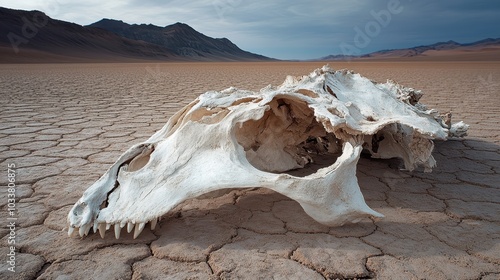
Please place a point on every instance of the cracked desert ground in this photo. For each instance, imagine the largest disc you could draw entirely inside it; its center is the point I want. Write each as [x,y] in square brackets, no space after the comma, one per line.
[62,125]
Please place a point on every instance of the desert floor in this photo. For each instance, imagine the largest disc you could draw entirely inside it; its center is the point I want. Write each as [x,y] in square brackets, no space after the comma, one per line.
[62,125]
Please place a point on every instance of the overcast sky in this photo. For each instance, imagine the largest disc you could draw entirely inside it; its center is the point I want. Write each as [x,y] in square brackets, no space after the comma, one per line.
[293,29]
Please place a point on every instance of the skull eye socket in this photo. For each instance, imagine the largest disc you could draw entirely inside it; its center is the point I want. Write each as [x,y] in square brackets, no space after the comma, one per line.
[288,139]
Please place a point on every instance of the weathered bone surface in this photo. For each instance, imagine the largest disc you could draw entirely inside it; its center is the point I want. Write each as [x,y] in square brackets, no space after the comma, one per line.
[241,139]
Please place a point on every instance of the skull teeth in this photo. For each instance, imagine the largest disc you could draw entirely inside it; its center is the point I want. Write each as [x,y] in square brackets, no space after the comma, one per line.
[84,230]
[117,231]
[87,229]
[81,231]
[130,227]
[103,227]
[153,223]
[71,230]
[138,229]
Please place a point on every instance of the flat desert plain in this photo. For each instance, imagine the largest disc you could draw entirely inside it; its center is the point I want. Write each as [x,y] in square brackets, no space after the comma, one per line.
[62,125]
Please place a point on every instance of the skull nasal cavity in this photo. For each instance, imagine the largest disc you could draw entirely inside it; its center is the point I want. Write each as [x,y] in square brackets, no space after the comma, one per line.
[141,160]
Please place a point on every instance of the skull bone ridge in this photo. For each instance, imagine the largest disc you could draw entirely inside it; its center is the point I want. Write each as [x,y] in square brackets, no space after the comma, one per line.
[242,139]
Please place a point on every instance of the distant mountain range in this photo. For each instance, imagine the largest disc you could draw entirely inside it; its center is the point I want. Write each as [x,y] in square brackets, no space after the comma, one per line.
[441,49]
[32,36]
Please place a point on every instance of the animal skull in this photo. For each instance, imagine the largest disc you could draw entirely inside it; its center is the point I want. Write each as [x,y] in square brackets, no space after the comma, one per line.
[242,139]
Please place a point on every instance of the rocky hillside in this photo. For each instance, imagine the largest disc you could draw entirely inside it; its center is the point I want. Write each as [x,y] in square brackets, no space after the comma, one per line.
[27,33]
[181,39]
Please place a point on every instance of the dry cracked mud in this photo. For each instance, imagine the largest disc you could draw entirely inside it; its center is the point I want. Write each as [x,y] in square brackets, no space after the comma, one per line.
[62,125]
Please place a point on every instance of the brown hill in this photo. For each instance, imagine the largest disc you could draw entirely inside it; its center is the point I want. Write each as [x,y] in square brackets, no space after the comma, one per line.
[33,37]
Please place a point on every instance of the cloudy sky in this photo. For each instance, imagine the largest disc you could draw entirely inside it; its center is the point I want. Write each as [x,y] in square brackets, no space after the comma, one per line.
[293,29]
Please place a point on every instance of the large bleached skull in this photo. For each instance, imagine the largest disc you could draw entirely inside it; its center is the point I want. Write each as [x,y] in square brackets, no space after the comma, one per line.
[243,139]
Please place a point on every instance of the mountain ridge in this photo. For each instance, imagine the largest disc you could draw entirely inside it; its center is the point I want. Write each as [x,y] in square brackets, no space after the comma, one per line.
[180,38]
[33,32]
[422,50]
[34,37]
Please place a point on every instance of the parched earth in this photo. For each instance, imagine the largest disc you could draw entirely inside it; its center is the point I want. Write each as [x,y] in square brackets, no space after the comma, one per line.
[63,125]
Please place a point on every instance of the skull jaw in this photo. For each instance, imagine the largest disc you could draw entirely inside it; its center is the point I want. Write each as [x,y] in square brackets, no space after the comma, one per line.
[331,195]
